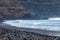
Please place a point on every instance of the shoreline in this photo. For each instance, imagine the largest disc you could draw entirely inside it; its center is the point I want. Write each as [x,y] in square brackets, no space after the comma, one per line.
[37,31]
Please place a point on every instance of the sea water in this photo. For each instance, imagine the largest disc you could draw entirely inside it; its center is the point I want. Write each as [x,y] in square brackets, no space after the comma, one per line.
[53,25]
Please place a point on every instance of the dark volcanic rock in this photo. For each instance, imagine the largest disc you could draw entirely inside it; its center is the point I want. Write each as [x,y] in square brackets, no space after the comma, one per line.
[43,8]
[35,9]
[11,10]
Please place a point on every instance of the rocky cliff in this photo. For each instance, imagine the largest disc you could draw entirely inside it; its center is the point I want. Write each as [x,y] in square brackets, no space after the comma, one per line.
[34,9]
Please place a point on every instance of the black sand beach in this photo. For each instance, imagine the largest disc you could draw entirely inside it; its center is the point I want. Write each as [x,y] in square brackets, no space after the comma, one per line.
[12,33]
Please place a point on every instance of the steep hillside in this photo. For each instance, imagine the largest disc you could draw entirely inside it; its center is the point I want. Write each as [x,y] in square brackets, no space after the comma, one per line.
[10,9]
[34,9]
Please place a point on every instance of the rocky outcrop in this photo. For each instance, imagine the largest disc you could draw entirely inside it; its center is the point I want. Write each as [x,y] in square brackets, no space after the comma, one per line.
[10,9]
[12,12]
[34,9]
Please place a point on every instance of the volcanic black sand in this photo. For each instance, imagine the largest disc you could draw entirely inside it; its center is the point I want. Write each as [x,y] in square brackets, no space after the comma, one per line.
[8,32]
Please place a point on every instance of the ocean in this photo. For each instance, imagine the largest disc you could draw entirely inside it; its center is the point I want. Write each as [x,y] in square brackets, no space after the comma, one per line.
[53,25]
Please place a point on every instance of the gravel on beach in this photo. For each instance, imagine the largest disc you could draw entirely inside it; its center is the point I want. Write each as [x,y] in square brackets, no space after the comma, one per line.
[15,34]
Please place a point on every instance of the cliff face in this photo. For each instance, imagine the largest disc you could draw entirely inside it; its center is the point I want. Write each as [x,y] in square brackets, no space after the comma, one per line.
[32,9]
[12,12]
[43,8]
[10,9]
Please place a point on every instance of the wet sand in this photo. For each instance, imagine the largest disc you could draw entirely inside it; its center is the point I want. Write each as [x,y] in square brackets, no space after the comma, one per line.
[8,32]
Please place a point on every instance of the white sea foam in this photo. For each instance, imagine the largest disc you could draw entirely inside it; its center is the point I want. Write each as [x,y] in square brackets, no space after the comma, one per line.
[53,25]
